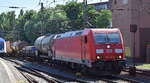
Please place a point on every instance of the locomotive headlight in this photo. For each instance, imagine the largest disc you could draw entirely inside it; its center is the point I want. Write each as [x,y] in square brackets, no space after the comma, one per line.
[98,57]
[120,57]
[99,50]
[119,50]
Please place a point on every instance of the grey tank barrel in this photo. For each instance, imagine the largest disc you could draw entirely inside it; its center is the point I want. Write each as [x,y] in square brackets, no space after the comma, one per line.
[44,43]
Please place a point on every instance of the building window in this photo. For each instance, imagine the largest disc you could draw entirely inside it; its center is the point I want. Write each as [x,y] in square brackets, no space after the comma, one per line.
[125,1]
[103,6]
[115,2]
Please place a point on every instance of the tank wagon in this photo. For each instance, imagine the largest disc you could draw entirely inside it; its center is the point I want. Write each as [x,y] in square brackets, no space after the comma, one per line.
[2,46]
[44,45]
[28,51]
[100,49]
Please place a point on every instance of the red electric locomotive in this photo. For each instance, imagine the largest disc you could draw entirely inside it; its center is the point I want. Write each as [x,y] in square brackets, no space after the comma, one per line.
[100,49]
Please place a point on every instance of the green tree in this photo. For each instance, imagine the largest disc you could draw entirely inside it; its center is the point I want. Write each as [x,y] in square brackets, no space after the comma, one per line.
[20,21]
[74,14]
[103,20]
[73,10]
[6,24]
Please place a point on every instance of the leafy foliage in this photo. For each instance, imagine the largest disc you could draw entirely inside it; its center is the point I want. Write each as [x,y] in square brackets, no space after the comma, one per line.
[104,18]
[73,10]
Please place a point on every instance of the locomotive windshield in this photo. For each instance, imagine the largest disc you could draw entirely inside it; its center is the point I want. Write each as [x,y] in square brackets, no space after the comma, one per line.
[113,37]
[100,37]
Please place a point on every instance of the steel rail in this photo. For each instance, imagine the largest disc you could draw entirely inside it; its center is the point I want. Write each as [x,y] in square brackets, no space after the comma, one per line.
[29,78]
[139,71]
[124,78]
[36,74]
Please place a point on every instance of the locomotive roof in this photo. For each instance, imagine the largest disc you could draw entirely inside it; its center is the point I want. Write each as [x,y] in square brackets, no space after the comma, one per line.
[79,32]
[107,30]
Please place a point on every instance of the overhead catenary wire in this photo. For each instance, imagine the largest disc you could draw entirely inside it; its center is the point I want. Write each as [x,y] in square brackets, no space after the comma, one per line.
[38,4]
[15,7]
[53,3]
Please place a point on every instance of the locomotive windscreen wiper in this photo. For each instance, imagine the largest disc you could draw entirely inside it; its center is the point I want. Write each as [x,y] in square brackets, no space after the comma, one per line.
[113,37]
[100,37]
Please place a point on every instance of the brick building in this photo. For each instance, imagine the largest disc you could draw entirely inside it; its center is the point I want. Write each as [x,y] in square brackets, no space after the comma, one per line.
[127,12]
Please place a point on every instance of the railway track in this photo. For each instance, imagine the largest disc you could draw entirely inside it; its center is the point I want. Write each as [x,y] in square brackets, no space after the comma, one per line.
[29,78]
[106,79]
[143,72]
[35,73]
[118,78]
[139,71]
[113,78]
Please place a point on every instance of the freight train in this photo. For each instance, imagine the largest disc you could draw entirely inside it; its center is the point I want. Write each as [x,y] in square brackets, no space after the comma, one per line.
[9,48]
[98,49]
[2,46]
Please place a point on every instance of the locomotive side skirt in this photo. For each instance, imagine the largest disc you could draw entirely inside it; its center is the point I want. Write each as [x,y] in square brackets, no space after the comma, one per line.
[74,60]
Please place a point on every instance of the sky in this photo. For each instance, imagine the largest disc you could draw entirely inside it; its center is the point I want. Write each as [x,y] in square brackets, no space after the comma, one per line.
[33,4]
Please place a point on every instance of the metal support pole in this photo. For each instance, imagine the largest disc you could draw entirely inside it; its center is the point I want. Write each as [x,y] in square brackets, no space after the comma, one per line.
[132,69]
[15,33]
[85,17]
[42,21]
[14,28]
[133,49]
